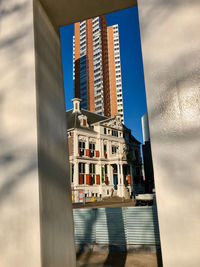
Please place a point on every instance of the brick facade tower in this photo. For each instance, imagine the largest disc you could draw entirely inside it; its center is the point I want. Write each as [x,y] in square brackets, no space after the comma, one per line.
[97,67]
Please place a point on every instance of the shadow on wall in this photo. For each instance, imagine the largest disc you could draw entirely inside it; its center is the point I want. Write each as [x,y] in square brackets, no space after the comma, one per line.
[113,230]
[12,142]
[157,234]
[11,51]
[101,227]
[177,98]
[116,236]
[88,219]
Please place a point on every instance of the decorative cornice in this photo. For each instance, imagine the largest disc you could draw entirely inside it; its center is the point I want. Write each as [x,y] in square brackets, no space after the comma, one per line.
[113,123]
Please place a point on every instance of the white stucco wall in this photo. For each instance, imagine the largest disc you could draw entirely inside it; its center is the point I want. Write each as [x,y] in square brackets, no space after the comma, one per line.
[25,135]
[19,194]
[171,54]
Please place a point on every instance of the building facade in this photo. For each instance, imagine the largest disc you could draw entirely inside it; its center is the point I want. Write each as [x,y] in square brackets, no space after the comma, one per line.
[97,67]
[104,157]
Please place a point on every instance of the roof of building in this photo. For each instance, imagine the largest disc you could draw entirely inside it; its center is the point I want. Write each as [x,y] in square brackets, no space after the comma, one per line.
[74,122]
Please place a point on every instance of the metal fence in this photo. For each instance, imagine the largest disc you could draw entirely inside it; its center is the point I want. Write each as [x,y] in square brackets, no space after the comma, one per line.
[117,226]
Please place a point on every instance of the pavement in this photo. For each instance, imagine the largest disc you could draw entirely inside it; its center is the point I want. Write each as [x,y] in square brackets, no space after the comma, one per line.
[117,259]
[105,203]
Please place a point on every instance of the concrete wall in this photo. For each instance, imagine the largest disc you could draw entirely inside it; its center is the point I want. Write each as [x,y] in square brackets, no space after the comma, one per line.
[171,54]
[19,194]
[32,144]
[170,44]
[57,240]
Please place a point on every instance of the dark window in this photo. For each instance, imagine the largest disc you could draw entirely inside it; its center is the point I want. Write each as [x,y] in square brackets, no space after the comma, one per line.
[106,169]
[92,168]
[81,167]
[91,146]
[105,148]
[136,154]
[114,149]
[81,144]
[72,172]
[104,130]
[114,133]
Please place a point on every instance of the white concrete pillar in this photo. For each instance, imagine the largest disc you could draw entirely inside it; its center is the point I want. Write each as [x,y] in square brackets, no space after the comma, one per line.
[33,146]
[171,48]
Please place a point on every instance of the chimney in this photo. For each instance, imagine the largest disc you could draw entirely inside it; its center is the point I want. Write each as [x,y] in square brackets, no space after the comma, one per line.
[76,105]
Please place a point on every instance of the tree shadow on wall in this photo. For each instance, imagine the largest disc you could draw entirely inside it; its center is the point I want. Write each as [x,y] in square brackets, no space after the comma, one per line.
[116,237]
[84,219]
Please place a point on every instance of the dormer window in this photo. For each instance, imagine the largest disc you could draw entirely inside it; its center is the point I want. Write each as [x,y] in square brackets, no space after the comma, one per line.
[84,122]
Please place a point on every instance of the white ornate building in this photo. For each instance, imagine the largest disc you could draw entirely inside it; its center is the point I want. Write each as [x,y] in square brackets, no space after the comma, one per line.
[104,157]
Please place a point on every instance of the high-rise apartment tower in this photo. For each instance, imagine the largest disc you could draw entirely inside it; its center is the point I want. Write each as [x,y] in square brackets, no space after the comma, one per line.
[97,67]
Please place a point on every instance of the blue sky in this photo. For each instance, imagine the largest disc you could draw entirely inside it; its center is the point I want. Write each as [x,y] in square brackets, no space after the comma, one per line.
[133,88]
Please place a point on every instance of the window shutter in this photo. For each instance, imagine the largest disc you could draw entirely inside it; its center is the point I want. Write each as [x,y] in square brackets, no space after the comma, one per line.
[129,179]
[80,178]
[87,179]
[97,179]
